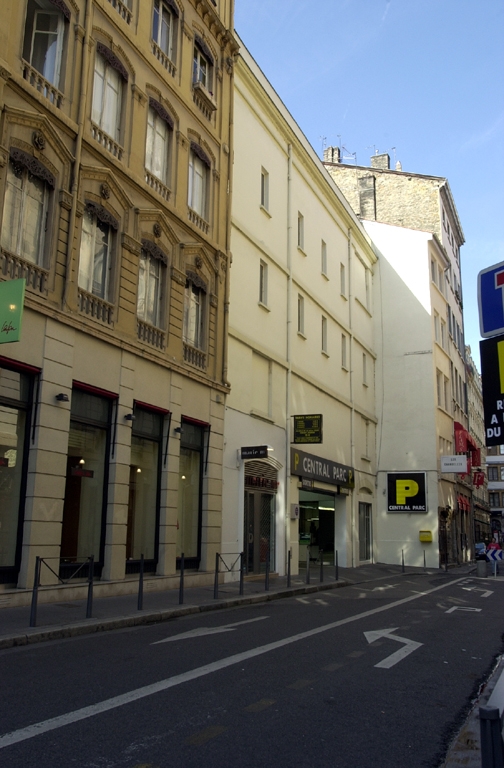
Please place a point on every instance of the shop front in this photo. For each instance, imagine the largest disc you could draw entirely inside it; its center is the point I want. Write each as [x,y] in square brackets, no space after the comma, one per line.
[324,510]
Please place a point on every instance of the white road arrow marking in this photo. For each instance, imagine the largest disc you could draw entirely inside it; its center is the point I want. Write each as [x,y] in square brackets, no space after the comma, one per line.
[409,646]
[201,631]
[485,592]
[459,608]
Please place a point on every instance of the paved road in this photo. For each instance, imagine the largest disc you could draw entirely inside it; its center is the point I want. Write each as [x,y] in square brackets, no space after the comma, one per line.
[304,681]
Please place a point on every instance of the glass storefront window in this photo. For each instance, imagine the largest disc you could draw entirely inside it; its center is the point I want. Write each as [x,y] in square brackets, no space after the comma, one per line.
[143,503]
[87,468]
[189,497]
[15,398]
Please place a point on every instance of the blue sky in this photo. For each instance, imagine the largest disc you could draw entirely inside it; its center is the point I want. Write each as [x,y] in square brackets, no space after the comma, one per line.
[420,79]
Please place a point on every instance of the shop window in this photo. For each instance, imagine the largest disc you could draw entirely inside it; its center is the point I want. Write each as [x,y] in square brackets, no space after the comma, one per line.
[86,480]
[144,489]
[190,491]
[44,38]
[15,404]
[26,208]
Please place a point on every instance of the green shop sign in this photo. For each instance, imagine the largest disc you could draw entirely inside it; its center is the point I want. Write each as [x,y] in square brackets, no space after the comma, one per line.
[11,309]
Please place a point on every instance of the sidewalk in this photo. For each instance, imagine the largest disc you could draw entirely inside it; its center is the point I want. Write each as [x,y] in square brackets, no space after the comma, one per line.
[66,619]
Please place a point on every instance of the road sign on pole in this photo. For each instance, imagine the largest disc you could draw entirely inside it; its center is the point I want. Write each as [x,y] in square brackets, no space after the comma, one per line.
[491,300]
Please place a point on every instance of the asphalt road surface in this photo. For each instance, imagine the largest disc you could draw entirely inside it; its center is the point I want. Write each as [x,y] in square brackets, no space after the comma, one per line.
[377,675]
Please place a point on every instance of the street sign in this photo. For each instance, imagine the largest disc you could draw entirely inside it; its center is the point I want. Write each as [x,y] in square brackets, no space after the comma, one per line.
[254,452]
[493,555]
[456,463]
[492,377]
[491,300]
[11,309]
[308,429]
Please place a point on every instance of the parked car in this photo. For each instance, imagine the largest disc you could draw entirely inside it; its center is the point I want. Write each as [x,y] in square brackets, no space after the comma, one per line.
[480,550]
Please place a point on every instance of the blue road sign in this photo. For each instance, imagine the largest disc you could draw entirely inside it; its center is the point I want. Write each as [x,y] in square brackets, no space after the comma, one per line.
[493,555]
[491,300]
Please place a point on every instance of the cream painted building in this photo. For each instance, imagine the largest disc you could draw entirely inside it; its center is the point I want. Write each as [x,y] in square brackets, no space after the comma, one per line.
[115,166]
[300,343]
[421,379]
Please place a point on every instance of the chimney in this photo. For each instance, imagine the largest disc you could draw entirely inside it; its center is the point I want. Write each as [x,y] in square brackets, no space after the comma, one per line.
[381,161]
[398,166]
[332,155]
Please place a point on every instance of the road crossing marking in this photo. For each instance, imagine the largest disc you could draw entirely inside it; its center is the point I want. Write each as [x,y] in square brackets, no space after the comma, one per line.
[53,723]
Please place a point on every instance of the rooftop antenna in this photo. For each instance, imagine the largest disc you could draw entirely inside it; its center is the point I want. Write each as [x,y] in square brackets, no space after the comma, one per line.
[393,149]
[349,155]
[323,139]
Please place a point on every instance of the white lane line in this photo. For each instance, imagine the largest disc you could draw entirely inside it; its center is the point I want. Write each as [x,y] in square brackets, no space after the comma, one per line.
[148,690]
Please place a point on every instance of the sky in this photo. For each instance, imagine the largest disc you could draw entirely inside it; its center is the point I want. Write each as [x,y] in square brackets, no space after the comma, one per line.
[420,79]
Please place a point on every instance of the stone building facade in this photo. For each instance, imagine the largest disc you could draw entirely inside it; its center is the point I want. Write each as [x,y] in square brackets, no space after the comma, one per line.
[481,509]
[413,222]
[115,167]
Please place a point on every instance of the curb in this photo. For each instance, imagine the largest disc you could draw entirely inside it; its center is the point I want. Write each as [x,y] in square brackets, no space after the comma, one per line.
[92,626]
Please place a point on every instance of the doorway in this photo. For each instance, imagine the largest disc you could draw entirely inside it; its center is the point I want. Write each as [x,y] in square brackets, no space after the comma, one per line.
[316,525]
[259,531]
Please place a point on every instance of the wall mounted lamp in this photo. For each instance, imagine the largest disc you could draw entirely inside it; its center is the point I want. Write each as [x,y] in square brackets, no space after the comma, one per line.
[62,397]
[129,417]
[177,430]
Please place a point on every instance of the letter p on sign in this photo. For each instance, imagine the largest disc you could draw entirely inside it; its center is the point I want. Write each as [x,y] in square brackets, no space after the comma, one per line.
[405,489]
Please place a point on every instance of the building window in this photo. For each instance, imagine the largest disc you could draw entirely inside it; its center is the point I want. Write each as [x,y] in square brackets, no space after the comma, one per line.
[300,231]
[364,369]
[344,363]
[433,268]
[144,488]
[439,388]
[26,212]
[494,499]
[364,531]
[150,288]
[159,140]
[43,40]
[443,334]
[95,260]
[265,189]
[192,439]
[164,23]
[441,280]
[367,280]
[501,467]
[109,77]
[16,396]
[493,473]
[324,335]
[323,258]
[342,272]
[300,314]
[436,327]
[199,175]
[203,65]
[446,393]
[194,314]
[86,480]
[263,283]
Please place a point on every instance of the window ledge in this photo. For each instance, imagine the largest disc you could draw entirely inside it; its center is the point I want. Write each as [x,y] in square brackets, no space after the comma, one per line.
[344,368]
[326,354]
[43,86]
[366,309]
[265,210]
[302,335]
[261,415]
[325,276]
[157,185]
[344,296]
[204,99]
[165,60]
[366,458]
[14,267]
[302,251]
[264,306]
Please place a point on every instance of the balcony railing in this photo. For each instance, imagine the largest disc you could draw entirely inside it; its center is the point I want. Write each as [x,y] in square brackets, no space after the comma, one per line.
[122,9]
[150,334]
[96,308]
[42,85]
[203,99]
[106,141]
[157,185]
[163,59]
[14,268]
[194,357]
[196,219]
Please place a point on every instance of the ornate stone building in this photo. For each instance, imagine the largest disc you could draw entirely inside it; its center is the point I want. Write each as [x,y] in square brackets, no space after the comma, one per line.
[115,166]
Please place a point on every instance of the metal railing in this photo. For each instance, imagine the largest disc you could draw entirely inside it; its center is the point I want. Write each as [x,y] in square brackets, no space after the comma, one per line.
[39,562]
[240,557]
[491,726]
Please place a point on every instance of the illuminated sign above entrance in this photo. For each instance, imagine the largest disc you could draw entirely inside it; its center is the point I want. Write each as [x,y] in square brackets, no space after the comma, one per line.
[306,465]
[254,452]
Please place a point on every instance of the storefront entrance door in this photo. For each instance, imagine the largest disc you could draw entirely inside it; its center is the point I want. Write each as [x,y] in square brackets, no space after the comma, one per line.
[259,518]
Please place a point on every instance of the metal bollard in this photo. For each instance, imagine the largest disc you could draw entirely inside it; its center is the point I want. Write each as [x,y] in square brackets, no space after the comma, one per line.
[492,747]
[140,584]
[89,606]
[36,581]
[307,565]
[289,558]
[402,557]
[181,586]
[321,555]
[424,566]
[242,566]
[216,580]
[266,578]
[336,568]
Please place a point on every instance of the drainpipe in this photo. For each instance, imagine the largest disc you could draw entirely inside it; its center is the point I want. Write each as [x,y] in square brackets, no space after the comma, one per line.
[288,355]
[352,409]
[88,25]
